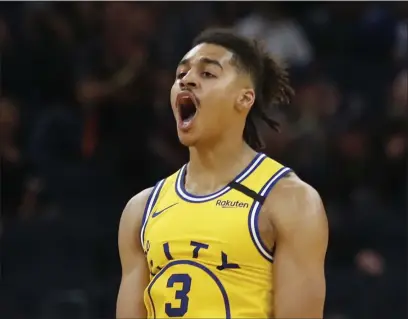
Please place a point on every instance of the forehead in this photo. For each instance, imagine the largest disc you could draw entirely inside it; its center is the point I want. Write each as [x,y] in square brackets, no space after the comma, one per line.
[210,51]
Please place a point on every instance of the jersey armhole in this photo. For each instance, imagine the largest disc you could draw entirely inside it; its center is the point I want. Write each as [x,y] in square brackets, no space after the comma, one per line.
[151,201]
[256,209]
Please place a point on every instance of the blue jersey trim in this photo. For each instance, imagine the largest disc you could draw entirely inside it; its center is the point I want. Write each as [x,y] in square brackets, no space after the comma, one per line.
[200,266]
[151,201]
[253,223]
[182,192]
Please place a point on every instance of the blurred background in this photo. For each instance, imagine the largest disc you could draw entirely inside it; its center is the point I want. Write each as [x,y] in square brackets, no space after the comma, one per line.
[85,124]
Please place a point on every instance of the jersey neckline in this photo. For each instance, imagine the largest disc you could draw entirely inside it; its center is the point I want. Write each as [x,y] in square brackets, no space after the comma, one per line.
[185,195]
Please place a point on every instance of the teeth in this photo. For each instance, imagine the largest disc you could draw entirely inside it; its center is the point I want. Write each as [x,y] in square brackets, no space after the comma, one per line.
[187,121]
[189,118]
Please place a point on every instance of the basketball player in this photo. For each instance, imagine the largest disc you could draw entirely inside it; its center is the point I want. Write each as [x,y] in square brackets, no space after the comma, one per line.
[232,234]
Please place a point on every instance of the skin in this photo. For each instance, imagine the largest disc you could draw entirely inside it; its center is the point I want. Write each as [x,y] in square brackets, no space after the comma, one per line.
[135,272]
[292,217]
[296,223]
[207,72]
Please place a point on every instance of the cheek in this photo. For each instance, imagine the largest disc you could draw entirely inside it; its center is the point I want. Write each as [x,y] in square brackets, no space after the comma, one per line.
[218,112]
[225,101]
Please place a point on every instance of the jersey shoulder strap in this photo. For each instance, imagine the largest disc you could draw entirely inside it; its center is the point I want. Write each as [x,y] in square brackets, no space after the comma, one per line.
[157,192]
[258,186]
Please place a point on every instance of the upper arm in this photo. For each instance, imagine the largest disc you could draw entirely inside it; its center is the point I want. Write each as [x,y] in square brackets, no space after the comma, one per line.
[135,273]
[301,228]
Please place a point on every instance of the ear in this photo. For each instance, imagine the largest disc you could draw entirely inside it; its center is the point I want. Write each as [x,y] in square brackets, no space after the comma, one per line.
[245,100]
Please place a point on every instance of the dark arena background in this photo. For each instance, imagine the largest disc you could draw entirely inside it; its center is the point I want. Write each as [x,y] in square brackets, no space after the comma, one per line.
[85,123]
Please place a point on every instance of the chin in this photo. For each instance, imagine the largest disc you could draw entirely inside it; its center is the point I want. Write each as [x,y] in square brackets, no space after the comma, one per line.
[187,140]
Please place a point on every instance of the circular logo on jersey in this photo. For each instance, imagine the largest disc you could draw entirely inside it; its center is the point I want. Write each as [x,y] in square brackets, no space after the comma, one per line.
[187,289]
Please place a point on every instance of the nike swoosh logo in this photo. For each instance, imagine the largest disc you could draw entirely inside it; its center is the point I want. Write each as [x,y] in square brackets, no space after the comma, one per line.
[155,214]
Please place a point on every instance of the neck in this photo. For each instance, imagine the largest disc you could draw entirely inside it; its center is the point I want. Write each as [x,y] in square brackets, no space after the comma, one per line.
[211,167]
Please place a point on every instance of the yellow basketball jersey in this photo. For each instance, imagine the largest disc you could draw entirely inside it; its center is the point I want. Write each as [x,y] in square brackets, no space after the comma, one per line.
[205,254]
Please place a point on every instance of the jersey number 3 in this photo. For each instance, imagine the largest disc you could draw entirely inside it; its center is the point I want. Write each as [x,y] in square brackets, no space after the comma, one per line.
[181,295]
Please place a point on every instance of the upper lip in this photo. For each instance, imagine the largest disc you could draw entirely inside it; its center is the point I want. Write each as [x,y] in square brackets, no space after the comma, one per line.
[187,93]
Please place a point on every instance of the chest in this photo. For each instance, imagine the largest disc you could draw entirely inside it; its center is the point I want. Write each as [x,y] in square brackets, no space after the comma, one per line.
[216,233]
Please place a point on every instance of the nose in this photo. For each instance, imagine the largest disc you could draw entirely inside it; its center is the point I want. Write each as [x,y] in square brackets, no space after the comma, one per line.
[188,81]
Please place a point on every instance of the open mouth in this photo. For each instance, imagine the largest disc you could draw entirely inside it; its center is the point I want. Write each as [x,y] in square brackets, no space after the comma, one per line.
[187,108]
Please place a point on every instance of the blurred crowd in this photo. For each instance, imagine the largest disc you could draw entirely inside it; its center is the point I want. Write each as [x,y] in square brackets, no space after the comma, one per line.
[85,124]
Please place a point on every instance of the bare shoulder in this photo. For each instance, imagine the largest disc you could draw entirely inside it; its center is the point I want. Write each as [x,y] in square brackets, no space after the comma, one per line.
[133,212]
[301,236]
[294,204]
[131,222]
[135,273]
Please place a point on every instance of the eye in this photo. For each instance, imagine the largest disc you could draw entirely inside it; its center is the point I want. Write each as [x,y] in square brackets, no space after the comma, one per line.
[181,75]
[208,75]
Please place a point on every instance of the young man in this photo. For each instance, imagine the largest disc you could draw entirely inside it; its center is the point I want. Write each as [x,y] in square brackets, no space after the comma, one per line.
[232,234]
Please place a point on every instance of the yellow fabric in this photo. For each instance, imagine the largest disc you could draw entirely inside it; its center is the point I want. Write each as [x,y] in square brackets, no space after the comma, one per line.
[203,254]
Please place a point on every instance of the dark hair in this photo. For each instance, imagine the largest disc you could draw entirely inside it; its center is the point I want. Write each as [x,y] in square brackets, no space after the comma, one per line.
[270,80]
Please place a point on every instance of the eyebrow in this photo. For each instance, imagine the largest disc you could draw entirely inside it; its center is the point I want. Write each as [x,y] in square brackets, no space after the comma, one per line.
[204,61]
